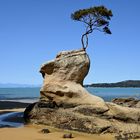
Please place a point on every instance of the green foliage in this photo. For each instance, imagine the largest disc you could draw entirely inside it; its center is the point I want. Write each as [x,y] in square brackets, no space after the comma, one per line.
[95,18]
[95,11]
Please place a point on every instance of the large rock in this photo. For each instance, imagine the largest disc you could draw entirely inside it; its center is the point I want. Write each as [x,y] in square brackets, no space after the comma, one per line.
[64,103]
[63,80]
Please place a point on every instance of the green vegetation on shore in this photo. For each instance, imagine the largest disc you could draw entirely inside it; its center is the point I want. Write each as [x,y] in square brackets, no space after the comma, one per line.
[128,83]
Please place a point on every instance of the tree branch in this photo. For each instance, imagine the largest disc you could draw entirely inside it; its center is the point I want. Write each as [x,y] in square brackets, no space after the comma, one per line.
[86,35]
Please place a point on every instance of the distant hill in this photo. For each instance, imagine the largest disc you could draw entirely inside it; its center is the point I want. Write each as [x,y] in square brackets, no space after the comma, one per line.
[11,85]
[127,83]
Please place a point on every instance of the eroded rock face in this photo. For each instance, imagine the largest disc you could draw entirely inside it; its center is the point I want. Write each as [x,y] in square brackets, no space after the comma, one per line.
[64,103]
[63,79]
[67,66]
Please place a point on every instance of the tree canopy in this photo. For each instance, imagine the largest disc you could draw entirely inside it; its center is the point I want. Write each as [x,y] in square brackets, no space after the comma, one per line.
[94,18]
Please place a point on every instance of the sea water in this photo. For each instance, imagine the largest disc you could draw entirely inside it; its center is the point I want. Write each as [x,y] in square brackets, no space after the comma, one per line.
[20,94]
[32,94]
[110,93]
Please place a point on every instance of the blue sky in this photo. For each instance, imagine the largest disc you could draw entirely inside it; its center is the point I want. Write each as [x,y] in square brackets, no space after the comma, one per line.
[34,31]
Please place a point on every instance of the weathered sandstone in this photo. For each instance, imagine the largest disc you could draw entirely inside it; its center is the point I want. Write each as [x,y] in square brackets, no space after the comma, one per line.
[66,104]
[63,79]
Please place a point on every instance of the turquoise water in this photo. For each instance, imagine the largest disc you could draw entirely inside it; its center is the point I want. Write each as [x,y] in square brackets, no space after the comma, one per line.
[30,94]
[110,93]
[20,94]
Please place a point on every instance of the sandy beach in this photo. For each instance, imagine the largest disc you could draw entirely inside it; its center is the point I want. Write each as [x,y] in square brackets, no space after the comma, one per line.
[32,132]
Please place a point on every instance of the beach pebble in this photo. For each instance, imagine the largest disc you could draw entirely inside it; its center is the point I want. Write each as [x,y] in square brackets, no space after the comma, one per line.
[68,135]
[45,131]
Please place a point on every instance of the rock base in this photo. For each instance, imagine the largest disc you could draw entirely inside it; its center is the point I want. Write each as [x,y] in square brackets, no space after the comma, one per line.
[85,118]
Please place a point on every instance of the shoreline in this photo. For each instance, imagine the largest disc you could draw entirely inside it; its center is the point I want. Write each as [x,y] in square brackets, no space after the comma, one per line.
[32,132]
[11,113]
[12,105]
